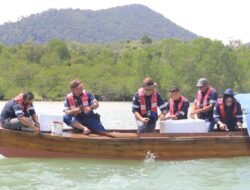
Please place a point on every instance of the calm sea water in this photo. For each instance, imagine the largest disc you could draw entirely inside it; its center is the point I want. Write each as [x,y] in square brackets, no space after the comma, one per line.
[19,173]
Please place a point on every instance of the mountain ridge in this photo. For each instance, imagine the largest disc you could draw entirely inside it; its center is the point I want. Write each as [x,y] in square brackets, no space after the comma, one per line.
[128,22]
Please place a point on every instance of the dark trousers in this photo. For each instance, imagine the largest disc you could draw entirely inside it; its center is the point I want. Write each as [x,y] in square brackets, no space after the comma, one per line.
[92,122]
[148,128]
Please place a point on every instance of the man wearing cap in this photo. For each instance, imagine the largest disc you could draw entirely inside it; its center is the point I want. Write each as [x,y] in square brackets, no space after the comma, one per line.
[144,106]
[227,112]
[19,114]
[78,108]
[204,103]
[178,105]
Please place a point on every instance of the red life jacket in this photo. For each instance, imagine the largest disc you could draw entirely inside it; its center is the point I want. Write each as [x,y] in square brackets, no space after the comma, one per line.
[171,111]
[19,99]
[143,102]
[222,111]
[84,98]
[199,97]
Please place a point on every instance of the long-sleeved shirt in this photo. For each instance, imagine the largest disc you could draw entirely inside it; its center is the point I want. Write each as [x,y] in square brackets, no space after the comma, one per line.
[136,105]
[182,113]
[230,120]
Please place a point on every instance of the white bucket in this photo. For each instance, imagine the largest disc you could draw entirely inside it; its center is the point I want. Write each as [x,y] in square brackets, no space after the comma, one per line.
[57,128]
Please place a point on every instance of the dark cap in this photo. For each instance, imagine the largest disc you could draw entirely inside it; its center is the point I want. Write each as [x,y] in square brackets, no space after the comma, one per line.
[147,82]
[74,83]
[201,82]
[229,92]
[173,89]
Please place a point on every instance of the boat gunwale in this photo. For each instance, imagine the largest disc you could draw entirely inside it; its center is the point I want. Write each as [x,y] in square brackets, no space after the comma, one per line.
[134,136]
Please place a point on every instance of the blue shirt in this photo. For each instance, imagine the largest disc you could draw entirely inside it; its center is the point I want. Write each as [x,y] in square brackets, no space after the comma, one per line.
[14,110]
[182,114]
[212,99]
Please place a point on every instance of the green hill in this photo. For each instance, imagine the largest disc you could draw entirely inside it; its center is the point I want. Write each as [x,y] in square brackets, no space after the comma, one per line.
[108,25]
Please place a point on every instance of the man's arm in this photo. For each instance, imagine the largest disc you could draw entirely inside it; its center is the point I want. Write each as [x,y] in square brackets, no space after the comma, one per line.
[213,100]
[92,102]
[162,106]
[136,109]
[184,110]
[27,122]
[67,110]
[239,116]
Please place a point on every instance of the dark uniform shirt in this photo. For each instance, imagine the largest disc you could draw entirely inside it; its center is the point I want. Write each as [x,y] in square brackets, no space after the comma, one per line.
[182,114]
[137,108]
[14,110]
[212,99]
[230,120]
[78,102]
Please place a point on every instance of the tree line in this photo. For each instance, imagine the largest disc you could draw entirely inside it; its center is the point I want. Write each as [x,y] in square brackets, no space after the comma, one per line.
[114,71]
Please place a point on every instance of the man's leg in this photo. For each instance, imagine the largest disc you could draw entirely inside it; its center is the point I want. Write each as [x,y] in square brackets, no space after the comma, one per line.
[94,124]
[75,123]
[141,128]
[13,124]
[150,128]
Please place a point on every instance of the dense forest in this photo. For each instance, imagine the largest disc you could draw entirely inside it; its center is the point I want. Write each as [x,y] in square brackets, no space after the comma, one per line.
[107,25]
[114,71]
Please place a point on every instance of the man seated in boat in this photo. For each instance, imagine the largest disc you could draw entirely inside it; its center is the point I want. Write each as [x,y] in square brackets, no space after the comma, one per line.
[177,106]
[19,113]
[78,107]
[205,100]
[227,112]
[144,106]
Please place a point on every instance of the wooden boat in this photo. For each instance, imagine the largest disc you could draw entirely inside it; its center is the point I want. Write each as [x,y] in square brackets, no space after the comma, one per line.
[126,145]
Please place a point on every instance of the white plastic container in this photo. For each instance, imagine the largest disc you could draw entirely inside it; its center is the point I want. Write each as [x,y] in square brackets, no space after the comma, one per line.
[57,128]
[183,126]
[46,121]
[246,122]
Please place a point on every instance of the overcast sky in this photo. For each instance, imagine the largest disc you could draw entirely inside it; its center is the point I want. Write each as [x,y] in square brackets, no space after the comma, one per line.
[217,19]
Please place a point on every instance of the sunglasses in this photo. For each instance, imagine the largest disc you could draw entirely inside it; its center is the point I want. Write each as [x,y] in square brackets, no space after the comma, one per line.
[149,89]
[172,91]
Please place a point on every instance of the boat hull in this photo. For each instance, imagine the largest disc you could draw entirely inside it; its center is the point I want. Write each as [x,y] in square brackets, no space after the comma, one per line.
[125,146]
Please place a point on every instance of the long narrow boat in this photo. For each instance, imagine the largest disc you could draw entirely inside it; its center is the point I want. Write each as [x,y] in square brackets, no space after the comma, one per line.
[126,145]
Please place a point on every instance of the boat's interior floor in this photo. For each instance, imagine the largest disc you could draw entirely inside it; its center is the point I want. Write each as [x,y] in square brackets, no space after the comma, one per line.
[126,133]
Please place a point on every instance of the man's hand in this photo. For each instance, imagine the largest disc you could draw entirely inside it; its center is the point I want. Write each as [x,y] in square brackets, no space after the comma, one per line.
[163,118]
[36,130]
[76,111]
[145,120]
[239,125]
[223,126]
[37,124]
[86,131]
[173,117]
[192,114]
[88,109]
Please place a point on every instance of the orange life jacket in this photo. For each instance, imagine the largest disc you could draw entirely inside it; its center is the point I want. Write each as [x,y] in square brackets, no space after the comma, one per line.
[143,102]
[19,99]
[199,98]
[171,106]
[84,98]
[222,111]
